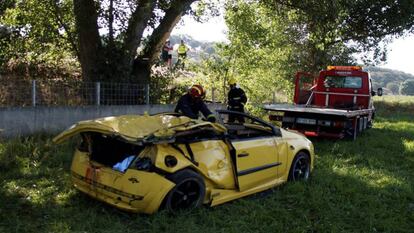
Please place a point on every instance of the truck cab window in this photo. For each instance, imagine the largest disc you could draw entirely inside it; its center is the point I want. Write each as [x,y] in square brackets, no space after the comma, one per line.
[343,82]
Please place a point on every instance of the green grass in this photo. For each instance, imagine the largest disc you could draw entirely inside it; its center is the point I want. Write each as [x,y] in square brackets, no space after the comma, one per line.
[365,185]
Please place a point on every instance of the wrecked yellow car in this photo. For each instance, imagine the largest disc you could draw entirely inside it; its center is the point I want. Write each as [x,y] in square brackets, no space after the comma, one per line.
[142,163]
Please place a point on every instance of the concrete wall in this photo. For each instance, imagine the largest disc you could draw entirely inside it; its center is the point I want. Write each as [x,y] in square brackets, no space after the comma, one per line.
[22,121]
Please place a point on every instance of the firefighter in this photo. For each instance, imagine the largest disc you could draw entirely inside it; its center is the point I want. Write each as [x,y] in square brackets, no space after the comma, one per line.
[192,103]
[236,100]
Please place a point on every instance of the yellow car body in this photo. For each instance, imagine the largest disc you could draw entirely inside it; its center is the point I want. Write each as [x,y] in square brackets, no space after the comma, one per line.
[140,163]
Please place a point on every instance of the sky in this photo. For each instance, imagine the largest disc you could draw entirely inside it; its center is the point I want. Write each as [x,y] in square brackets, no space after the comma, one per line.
[400,51]
[213,30]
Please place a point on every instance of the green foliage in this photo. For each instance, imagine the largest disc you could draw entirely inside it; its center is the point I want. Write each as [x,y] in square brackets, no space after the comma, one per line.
[393,87]
[28,153]
[41,33]
[394,107]
[6,4]
[259,55]
[271,40]
[357,186]
[367,25]
[407,87]
[164,88]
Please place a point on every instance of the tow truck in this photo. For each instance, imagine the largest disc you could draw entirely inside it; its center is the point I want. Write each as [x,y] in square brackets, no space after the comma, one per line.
[336,104]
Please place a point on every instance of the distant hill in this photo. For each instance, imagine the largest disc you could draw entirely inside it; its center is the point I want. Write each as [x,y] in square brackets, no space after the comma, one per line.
[388,79]
[198,49]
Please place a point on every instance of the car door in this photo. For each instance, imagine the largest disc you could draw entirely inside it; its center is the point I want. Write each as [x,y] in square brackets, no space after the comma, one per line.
[255,149]
[256,161]
[304,85]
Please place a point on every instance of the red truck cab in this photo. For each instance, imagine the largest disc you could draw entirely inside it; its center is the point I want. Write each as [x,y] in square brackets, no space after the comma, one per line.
[338,87]
[337,103]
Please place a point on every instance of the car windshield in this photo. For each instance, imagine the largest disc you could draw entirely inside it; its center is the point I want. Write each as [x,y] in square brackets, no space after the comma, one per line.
[231,120]
[343,81]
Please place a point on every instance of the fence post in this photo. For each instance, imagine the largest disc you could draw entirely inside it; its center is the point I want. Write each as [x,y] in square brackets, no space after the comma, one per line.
[34,93]
[147,91]
[98,93]
[212,95]
[273,97]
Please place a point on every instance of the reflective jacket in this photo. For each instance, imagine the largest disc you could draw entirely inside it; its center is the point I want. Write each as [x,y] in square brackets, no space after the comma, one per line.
[236,99]
[182,49]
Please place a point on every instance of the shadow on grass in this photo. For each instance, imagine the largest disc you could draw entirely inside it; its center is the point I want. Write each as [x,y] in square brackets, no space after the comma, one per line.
[329,202]
[365,185]
[390,151]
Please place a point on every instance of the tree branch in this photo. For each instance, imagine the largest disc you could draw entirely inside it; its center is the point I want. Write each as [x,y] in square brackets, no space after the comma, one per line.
[377,35]
[163,31]
[137,24]
[90,44]
[111,24]
[70,38]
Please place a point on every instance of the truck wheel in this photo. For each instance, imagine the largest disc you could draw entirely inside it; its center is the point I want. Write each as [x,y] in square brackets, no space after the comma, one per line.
[188,192]
[300,168]
[365,123]
[360,125]
[371,122]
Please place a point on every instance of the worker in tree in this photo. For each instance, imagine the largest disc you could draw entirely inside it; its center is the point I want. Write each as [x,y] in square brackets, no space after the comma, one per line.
[236,100]
[167,53]
[182,54]
[164,53]
[192,103]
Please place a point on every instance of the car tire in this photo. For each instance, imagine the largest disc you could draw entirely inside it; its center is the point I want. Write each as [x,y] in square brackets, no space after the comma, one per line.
[188,192]
[300,168]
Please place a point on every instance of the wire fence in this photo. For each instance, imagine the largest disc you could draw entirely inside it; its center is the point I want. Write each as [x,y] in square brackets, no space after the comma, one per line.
[71,93]
[21,93]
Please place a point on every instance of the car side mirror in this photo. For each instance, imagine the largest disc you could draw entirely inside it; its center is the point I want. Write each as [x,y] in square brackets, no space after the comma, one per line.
[379,91]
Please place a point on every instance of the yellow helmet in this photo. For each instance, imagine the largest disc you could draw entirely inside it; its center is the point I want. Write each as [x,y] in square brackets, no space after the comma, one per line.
[232,81]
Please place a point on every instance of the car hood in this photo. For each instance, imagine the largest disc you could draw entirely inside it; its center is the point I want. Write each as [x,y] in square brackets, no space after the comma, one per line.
[135,128]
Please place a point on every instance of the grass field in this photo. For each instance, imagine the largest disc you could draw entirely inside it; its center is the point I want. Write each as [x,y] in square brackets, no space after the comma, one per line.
[365,185]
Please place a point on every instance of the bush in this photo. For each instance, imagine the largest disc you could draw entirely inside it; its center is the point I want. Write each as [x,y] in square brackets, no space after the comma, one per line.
[407,87]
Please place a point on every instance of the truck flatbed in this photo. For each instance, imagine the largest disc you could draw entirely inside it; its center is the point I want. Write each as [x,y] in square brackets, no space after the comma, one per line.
[316,110]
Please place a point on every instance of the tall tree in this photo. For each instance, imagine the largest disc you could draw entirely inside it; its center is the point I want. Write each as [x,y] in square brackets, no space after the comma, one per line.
[114,54]
[270,40]
[362,26]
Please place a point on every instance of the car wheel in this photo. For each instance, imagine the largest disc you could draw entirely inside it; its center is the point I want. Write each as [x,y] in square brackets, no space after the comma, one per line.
[188,192]
[300,168]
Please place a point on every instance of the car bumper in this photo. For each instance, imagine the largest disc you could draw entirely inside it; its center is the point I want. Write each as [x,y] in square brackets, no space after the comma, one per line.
[133,191]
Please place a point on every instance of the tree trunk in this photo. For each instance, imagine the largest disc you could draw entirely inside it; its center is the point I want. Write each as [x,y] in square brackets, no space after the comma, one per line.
[86,17]
[92,56]
[111,24]
[143,64]
[163,31]
[137,24]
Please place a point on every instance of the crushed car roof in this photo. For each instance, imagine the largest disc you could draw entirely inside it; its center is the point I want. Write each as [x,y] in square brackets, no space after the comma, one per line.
[137,127]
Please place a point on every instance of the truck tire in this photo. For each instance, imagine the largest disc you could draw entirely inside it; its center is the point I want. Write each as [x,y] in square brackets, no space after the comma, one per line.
[360,125]
[365,123]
